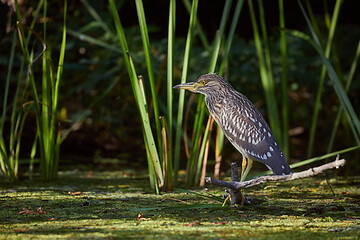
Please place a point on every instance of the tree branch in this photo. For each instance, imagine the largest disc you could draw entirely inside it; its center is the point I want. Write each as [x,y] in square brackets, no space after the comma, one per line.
[236,186]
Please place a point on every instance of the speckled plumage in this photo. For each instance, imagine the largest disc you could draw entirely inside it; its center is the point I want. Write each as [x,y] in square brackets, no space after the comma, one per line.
[242,123]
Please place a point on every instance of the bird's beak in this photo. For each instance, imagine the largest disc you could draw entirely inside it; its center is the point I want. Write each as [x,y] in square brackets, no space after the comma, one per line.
[191,86]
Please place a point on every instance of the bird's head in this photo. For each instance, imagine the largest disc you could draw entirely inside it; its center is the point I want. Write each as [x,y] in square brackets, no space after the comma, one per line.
[206,84]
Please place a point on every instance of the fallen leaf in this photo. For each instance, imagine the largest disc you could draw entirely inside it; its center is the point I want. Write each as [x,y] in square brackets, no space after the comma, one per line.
[52,219]
[26,210]
[192,224]
[74,193]
[20,230]
[140,217]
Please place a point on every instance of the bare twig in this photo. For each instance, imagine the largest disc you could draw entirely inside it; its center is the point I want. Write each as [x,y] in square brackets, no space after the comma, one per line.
[237,186]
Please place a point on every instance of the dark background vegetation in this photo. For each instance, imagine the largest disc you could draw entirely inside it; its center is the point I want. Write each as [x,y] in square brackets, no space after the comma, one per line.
[112,129]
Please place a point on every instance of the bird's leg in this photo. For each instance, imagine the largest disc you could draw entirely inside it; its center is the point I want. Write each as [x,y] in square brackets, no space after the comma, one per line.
[246,169]
[243,166]
[242,178]
[246,166]
[227,198]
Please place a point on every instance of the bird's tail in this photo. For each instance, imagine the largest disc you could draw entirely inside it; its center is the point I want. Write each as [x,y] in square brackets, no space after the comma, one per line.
[280,166]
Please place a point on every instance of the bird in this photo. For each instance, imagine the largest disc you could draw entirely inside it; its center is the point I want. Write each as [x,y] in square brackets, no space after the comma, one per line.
[242,124]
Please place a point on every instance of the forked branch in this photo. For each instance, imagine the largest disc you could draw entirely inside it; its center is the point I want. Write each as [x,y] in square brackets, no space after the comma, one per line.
[236,186]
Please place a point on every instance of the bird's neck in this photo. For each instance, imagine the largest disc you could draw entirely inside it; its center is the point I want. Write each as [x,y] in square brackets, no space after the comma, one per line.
[215,103]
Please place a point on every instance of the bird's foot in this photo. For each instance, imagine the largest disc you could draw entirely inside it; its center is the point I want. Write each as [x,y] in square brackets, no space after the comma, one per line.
[243,200]
[227,197]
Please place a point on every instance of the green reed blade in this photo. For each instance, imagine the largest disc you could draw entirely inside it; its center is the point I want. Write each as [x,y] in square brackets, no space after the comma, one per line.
[6,165]
[199,28]
[150,143]
[167,163]
[96,16]
[202,151]
[339,90]
[347,87]
[265,73]
[169,86]
[323,70]
[191,29]
[284,82]
[146,46]
[219,34]
[94,41]
[229,40]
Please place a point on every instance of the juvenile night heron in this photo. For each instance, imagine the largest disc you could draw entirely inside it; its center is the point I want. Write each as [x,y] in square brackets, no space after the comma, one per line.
[242,123]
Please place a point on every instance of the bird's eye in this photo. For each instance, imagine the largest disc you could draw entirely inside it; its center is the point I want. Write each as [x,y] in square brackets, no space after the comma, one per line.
[203,82]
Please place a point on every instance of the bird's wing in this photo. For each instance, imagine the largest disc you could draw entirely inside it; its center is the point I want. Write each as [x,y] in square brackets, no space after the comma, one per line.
[247,130]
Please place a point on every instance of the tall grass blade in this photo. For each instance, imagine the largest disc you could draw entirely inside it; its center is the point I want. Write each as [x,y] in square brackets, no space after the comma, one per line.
[230,37]
[32,155]
[284,82]
[7,82]
[219,34]
[28,58]
[196,144]
[146,45]
[44,137]
[153,170]
[169,87]
[206,155]
[339,90]
[167,163]
[202,158]
[96,16]
[347,87]
[311,160]
[94,41]
[315,31]
[16,116]
[55,134]
[323,72]
[265,72]
[199,28]
[192,24]
[145,121]
[7,161]
[219,143]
